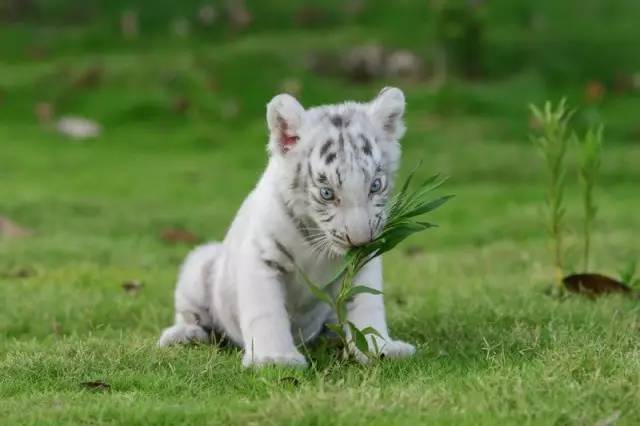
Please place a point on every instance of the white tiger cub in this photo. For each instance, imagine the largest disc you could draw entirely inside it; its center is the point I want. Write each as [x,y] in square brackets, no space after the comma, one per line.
[330,174]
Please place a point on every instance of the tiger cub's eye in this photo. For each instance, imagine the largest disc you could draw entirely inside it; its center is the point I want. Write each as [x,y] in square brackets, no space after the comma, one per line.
[376,185]
[326,194]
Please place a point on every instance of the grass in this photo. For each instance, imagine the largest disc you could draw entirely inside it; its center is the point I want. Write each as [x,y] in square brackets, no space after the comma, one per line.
[493,348]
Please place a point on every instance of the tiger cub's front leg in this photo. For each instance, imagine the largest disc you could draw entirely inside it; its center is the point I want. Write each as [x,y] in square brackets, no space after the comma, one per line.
[264,321]
[367,310]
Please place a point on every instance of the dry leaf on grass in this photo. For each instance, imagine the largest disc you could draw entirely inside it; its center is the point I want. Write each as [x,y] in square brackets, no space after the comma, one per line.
[594,91]
[180,104]
[178,235]
[129,26]
[11,230]
[19,272]
[238,14]
[132,286]
[44,112]
[592,285]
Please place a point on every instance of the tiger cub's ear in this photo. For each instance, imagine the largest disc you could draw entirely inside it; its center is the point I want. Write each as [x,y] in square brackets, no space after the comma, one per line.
[387,111]
[285,116]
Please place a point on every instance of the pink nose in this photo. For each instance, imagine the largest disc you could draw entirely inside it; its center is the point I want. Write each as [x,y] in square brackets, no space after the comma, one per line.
[357,239]
[356,227]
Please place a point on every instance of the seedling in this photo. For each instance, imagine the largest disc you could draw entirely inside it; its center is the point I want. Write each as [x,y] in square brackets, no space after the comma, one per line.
[590,152]
[406,209]
[552,143]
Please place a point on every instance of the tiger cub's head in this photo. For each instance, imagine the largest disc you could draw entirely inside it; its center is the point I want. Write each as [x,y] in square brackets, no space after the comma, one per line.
[337,165]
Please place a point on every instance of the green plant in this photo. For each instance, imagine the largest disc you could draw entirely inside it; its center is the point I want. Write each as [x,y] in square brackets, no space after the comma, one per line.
[552,143]
[405,210]
[590,153]
[628,275]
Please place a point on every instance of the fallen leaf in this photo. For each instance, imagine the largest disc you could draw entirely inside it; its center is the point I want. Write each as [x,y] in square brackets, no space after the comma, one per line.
[594,92]
[44,112]
[11,230]
[19,272]
[180,104]
[593,285]
[96,385]
[129,24]
[239,15]
[178,235]
[132,287]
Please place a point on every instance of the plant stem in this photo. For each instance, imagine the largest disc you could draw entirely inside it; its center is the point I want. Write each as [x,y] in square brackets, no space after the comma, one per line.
[590,152]
[552,144]
[587,230]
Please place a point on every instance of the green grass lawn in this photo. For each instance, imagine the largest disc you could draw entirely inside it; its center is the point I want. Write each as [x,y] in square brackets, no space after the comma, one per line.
[493,348]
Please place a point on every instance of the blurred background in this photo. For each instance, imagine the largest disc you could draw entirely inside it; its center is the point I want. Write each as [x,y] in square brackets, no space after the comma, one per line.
[212,65]
[130,130]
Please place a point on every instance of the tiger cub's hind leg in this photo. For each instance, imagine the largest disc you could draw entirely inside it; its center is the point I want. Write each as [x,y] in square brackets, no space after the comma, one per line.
[193,318]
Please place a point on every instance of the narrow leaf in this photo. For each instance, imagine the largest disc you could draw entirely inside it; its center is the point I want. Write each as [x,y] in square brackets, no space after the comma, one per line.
[359,289]
[427,207]
[358,338]
[371,330]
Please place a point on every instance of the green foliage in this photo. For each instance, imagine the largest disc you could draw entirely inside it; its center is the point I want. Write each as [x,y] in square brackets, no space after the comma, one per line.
[628,275]
[590,159]
[405,208]
[552,142]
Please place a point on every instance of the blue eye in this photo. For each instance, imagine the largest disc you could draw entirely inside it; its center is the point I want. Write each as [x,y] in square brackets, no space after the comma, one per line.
[376,185]
[326,194]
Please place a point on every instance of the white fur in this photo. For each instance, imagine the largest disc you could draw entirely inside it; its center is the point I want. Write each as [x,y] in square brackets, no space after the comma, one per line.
[249,287]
